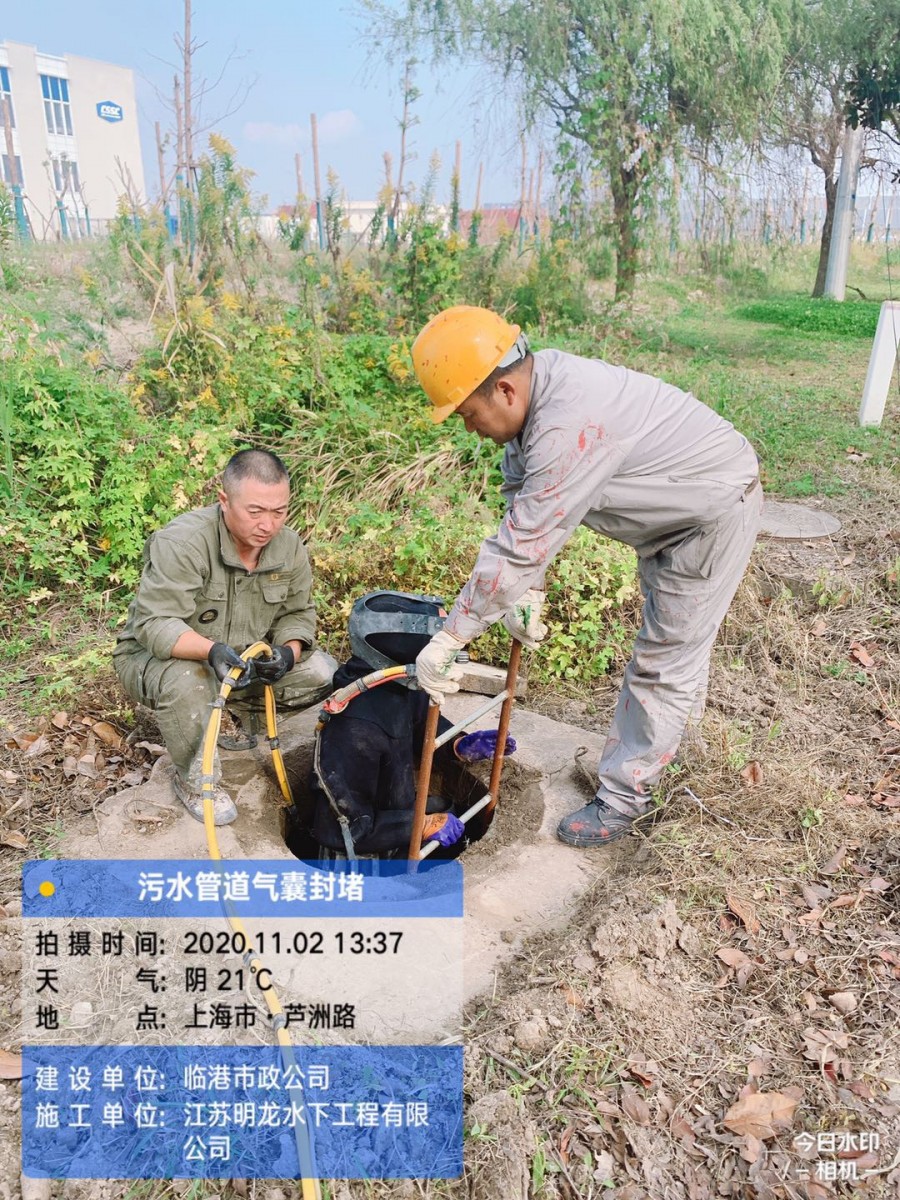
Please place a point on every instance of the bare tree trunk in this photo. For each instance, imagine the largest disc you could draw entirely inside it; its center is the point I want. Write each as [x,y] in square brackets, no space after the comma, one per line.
[624,187]
[825,245]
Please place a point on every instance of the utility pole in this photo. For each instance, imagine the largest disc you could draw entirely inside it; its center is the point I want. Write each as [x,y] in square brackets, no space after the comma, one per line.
[844,207]
[314,127]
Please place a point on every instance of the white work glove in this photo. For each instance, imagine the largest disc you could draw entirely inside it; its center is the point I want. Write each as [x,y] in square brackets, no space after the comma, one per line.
[524,619]
[436,669]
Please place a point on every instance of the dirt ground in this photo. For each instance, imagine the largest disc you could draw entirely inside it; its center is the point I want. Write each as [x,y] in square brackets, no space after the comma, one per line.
[734,987]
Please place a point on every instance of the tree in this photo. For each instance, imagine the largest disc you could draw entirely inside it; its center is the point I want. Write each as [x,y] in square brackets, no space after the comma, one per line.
[842,53]
[624,78]
[874,87]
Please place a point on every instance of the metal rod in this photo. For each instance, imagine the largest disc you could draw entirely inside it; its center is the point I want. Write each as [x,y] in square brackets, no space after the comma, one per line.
[512,674]
[428,748]
[467,816]
[494,702]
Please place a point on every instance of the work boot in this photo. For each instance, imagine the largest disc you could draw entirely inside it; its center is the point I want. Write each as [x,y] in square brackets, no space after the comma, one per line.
[224,810]
[594,825]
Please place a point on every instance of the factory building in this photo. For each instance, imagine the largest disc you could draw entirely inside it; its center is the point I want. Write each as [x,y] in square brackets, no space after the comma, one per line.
[69,139]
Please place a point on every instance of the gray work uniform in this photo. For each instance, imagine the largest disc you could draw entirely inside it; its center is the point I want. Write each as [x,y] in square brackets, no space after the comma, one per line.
[643,462]
[193,579]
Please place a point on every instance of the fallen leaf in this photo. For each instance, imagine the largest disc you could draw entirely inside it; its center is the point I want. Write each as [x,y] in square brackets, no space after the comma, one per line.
[845,562]
[573,999]
[10,1065]
[861,654]
[9,777]
[107,733]
[132,778]
[876,884]
[752,774]
[39,746]
[751,1148]
[757,1067]
[818,627]
[882,801]
[844,1002]
[85,766]
[836,861]
[761,1114]
[683,1129]
[607,1108]
[745,910]
[14,838]
[822,1044]
[854,801]
[69,766]
[60,720]
[732,956]
[635,1106]
[645,1071]
[864,1159]
[845,900]
[801,956]
[153,748]
[814,894]
[21,741]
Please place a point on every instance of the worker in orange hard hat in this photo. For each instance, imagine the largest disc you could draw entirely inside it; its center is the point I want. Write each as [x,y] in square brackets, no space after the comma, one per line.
[632,457]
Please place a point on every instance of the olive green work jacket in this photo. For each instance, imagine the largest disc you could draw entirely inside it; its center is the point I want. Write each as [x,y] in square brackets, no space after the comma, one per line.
[194,579]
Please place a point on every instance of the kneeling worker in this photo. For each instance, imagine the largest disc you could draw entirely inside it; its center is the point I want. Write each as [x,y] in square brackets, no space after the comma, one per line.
[216,580]
[632,457]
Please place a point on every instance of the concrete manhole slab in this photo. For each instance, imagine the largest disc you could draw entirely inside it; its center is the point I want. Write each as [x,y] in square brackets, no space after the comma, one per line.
[790,522]
[519,880]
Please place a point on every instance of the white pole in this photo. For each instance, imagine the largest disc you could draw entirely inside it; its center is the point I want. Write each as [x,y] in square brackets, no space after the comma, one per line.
[844,207]
[881,364]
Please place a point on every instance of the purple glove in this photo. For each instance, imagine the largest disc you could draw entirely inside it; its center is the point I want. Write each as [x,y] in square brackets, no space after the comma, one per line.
[477,746]
[443,828]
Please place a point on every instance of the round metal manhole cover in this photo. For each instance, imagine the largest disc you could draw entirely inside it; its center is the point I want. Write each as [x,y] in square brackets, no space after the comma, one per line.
[796,521]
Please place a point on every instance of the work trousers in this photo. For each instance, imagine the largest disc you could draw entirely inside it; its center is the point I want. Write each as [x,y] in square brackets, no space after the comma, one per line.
[687,589]
[181,694]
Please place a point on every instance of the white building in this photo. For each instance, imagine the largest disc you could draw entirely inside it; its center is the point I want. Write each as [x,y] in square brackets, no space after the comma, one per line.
[74,133]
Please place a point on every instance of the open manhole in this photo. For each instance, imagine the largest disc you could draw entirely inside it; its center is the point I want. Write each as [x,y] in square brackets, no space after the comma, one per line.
[519,811]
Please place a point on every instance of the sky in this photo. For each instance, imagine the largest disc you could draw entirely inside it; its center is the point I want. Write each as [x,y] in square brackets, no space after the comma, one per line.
[281,61]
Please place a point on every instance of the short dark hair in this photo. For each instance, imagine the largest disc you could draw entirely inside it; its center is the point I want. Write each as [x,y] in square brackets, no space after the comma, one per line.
[261,465]
[486,388]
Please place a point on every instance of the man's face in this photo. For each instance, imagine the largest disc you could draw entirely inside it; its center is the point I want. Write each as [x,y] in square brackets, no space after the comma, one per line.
[255,512]
[499,416]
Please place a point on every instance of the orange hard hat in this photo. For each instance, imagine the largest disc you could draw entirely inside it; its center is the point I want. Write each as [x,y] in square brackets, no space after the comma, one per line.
[458,349]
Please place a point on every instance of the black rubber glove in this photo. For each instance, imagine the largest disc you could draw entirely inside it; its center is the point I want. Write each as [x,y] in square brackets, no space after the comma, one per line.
[223,657]
[270,670]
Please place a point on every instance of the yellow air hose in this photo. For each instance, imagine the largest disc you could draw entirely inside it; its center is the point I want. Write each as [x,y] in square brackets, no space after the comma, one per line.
[309,1184]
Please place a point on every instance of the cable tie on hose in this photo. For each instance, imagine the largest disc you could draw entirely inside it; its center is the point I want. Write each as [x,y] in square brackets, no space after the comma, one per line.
[274,742]
[219,702]
[279,1021]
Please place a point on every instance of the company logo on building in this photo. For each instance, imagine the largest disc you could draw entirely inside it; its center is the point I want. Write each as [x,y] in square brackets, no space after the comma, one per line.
[107,110]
